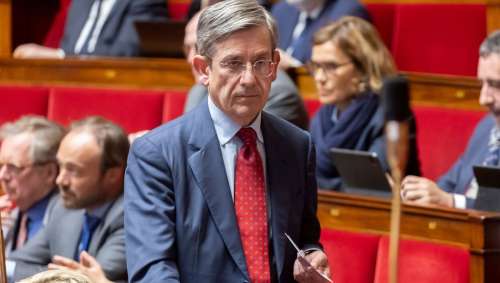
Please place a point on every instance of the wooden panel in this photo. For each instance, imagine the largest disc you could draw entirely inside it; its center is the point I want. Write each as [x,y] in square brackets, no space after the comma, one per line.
[476,231]
[5,28]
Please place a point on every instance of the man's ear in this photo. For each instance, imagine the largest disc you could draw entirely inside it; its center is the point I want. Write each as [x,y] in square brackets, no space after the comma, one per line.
[276,60]
[201,66]
[114,174]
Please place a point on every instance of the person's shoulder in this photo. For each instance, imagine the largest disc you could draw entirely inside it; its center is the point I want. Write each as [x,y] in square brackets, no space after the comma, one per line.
[283,127]
[282,6]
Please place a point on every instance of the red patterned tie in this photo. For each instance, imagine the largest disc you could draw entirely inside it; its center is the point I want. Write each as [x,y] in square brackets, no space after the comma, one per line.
[250,205]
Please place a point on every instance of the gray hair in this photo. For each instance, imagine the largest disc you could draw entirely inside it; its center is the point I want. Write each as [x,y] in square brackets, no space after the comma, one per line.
[46,136]
[490,45]
[57,276]
[224,18]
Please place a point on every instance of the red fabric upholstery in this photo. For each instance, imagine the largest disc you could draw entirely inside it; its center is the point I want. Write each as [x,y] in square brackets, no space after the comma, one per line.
[438,38]
[383,19]
[424,262]
[18,101]
[351,255]
[173,105]
[438,153]
[312,106]
[178,9]
[134,110]
[55,33]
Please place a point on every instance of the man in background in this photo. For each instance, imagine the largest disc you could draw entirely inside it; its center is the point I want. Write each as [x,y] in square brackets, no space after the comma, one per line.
[100,28]
[458,187]
[89,217]
[28,171]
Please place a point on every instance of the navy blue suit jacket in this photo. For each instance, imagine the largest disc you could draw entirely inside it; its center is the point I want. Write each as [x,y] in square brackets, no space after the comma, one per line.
[180,218]
[287,17]
[457,180]
[118,36]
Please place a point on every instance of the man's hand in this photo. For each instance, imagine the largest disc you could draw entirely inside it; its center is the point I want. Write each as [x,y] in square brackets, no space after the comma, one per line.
[6,206]
[35,51]
[87,266]
[418,190]
[318,261]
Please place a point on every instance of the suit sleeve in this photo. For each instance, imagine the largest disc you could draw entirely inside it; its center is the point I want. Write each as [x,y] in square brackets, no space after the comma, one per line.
[149,216]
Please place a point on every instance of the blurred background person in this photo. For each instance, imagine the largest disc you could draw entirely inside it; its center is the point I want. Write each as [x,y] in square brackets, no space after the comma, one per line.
[28,171]
[298,20]
[101,28]
[349,62]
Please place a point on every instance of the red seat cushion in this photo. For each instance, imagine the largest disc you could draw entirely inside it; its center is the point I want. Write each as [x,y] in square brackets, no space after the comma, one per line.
[22,100]
[454,126]
[439,38]
[423,262]
[134,110]
[382,16]
[352,256]
[173,105]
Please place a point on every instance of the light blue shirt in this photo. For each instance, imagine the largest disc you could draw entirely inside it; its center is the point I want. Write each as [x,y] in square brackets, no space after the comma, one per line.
[226,130]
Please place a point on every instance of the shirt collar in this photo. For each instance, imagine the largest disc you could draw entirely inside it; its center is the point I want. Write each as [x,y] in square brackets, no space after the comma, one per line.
[494,137]
[226,128]
[100,211]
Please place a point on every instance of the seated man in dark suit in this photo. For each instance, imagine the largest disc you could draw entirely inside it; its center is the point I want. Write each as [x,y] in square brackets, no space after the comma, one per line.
[284,100]
[28,171]
[458,188]
[210,195]
[89,217]
[101,28]
[298,20]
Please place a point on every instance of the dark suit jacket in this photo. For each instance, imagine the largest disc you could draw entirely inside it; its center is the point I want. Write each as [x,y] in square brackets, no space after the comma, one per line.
[61,236]
[373,139]
[118,36]
[180,218]
[284,100]
[287,17]
[459,177]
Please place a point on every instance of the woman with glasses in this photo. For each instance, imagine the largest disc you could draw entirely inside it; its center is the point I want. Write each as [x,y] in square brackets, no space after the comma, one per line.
[348,63]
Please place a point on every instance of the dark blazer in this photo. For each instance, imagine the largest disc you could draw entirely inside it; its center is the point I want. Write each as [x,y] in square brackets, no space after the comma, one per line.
[118,36]
[287,17]
[180,218]
[373,139]
[284,100]
[459,177]
[61,236]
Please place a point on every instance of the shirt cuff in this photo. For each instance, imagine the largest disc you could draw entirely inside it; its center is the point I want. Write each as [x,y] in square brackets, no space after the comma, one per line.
[459,201]
[61,54]
[10,267]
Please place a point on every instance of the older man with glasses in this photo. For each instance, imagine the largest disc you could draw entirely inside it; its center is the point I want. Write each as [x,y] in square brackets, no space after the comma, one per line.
[28,172]
[210,196]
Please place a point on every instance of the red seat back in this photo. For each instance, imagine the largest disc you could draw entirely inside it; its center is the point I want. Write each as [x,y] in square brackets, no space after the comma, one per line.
[22,100]
[424,262]
[134,110]
[454,126]
[178,9]
[383,16]
[439,38]
[312,106]
[351,255]
[173,105]
[56,31]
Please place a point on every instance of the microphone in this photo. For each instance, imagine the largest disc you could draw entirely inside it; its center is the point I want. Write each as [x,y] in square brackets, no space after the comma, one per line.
[395,100]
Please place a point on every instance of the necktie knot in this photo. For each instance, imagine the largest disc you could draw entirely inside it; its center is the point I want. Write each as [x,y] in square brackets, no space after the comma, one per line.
[247,136]
[91,222]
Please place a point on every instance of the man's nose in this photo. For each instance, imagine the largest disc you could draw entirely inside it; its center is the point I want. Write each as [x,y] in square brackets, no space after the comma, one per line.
[485,97]
[248,74]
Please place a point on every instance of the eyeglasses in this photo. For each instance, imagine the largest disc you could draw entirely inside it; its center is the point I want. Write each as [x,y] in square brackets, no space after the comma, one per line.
[15,170]
[261,68]
[328,68]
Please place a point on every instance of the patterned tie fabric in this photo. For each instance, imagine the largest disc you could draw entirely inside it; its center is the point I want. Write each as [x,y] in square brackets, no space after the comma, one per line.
[22,234]
[90,223]
[250,206]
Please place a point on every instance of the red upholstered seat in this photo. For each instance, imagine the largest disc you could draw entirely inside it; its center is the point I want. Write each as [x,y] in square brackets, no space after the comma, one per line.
[178,9]
[352,256]
[438,38]
[134,110]
[383,19]
[312,106]
[454,126]
[424,262]
[173,105]
[55,33]
[22,100]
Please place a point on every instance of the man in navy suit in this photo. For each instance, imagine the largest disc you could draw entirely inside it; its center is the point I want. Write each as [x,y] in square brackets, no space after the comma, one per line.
[185,183]
[298,20]
[101,28]
[457,188]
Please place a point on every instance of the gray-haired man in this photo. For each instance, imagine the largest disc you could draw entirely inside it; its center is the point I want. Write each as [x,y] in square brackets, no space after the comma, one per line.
[209,196]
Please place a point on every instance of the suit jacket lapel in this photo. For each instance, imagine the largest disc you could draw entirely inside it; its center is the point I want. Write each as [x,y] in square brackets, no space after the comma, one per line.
[99,234]
[68,244]
[208,169]
[278,184]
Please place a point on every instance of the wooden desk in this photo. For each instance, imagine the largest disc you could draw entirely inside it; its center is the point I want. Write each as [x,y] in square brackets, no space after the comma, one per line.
[5,28]
[477,231]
